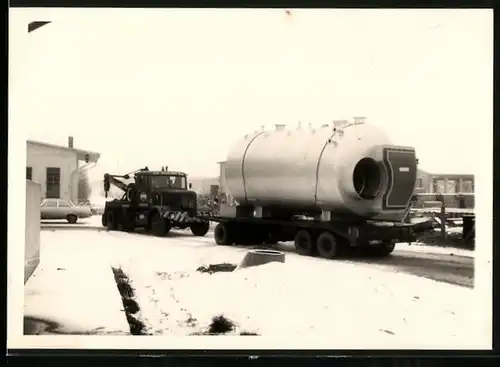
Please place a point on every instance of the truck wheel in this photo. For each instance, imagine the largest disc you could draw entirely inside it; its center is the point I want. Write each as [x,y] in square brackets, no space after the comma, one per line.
[327,245]
[304,243]
[221,235]
[72,218]
[200,228]
[127,222]
[111,222]
[159,226]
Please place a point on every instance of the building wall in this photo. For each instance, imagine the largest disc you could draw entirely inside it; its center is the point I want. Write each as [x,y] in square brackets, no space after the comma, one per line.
[32,228]
[202,185]
[40,157]
[443,183]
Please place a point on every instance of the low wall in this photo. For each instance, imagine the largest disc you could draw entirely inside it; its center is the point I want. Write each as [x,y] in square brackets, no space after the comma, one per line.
[465,201]
[32,239]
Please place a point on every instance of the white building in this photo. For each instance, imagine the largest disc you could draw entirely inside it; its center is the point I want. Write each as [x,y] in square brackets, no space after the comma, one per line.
[57,168]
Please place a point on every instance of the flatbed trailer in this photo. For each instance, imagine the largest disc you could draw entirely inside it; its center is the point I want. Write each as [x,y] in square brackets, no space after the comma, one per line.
[327,239]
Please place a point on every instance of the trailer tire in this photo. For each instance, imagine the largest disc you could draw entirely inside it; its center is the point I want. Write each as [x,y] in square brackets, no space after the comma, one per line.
[304,243]
[327,245]
[200,229]
[384,250]
[270,240]
[159,226]
[222,235]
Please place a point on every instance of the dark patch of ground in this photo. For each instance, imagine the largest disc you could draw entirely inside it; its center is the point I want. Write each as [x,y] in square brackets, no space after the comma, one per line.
[215,268]
[39,326]
[137,327]
[221,325]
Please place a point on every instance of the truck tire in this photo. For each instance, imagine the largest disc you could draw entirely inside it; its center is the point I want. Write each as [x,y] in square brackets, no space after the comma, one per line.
[71,218]
[159,226]
[327,245]
[126,222]
[304,243]
[111,221]
[200,228]
[222,235]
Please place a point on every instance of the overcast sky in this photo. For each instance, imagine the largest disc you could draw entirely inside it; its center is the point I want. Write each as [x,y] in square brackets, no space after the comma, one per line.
[177,87]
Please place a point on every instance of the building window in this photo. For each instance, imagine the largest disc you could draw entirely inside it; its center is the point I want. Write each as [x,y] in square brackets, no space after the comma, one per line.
[419,184]
[467,186]
[451,186]
[29,173]
[439,186]
[53,190]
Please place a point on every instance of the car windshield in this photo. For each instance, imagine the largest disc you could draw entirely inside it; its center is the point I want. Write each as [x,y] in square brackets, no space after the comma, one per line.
[50,203]
[65,204]
[170,182]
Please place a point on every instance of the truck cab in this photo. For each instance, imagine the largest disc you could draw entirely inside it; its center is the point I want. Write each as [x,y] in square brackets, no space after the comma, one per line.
[166,189]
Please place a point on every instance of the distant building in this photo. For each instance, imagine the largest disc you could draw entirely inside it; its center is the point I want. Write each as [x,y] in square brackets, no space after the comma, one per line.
[444,183]
[56,168]
[222,182]
[202,185]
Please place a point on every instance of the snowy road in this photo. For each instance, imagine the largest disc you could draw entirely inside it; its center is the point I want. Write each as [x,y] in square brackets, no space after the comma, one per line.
[359,301]
[443,266]
[453,266]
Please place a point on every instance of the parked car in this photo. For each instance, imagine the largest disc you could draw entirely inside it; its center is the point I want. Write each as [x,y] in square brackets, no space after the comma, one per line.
[63,209]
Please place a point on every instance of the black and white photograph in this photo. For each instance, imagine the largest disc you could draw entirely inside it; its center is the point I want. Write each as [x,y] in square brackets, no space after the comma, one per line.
[250,178]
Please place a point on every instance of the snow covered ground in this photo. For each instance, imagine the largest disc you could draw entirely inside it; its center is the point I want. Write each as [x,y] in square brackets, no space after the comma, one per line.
[73,287]
[352,305]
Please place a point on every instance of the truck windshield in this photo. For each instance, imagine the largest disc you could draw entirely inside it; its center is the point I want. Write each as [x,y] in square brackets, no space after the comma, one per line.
[170,182]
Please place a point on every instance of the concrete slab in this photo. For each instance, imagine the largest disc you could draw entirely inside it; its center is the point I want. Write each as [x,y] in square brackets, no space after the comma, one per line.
[73,291]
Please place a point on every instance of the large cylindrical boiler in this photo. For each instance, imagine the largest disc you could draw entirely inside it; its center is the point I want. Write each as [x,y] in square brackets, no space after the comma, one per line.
[351,169]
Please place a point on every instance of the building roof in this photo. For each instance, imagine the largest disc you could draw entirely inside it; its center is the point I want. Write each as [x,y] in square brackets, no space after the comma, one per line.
[80,153]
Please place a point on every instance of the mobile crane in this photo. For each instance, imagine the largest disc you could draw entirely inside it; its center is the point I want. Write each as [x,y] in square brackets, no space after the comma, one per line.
[156,201]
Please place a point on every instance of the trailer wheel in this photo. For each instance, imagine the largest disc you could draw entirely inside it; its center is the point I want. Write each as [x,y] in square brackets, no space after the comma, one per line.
[385,249]
[221,235]
[200,228]
[270,240]
[327,245]
[159,226]
[304,242]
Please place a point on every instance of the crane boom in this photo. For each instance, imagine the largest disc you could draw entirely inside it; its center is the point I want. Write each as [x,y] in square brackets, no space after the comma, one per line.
[113,180]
